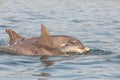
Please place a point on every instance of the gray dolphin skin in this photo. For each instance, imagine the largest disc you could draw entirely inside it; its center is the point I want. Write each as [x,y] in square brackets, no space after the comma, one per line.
[46,44]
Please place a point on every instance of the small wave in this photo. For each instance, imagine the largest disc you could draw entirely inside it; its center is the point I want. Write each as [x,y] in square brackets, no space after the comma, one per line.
[3,42]
[4,26]
[99,52]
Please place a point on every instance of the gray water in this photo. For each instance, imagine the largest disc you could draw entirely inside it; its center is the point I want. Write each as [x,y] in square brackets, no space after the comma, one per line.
[95,22]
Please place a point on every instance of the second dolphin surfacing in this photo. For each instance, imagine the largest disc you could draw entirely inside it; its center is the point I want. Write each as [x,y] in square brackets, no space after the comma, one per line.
[46,44]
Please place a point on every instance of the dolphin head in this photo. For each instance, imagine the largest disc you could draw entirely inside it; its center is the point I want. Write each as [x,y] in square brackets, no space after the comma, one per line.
[74,45]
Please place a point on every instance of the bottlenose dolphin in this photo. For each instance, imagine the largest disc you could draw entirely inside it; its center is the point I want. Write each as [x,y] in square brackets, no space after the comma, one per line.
[45,44]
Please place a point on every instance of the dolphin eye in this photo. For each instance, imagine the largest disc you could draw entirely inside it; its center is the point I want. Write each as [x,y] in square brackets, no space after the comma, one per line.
[72,41]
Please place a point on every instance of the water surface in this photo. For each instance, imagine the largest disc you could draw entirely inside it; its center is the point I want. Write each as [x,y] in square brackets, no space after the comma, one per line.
[95,22]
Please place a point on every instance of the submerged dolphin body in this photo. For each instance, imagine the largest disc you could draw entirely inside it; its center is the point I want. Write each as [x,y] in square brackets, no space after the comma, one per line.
[46,44]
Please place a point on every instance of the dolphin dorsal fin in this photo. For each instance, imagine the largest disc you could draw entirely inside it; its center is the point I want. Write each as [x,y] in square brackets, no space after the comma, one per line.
[14,37]
[45,38]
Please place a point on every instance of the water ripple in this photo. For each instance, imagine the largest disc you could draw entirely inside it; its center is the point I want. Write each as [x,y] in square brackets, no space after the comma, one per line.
[95,22]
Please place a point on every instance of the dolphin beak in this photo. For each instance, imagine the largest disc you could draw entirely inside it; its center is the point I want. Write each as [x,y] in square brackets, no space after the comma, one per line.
[87,49]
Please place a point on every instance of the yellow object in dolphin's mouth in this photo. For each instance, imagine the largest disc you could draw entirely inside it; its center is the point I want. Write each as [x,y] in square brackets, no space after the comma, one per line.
[86,49]
[73,49]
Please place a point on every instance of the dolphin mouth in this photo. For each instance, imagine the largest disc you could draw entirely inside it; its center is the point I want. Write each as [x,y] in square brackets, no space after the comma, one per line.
[86,49]
[75,49]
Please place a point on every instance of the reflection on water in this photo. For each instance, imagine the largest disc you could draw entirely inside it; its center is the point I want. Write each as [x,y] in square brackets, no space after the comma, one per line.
[104,63]
[95,22]
[46,63]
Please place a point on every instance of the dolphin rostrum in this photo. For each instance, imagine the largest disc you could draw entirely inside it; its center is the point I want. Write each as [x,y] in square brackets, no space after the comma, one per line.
[46,44]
